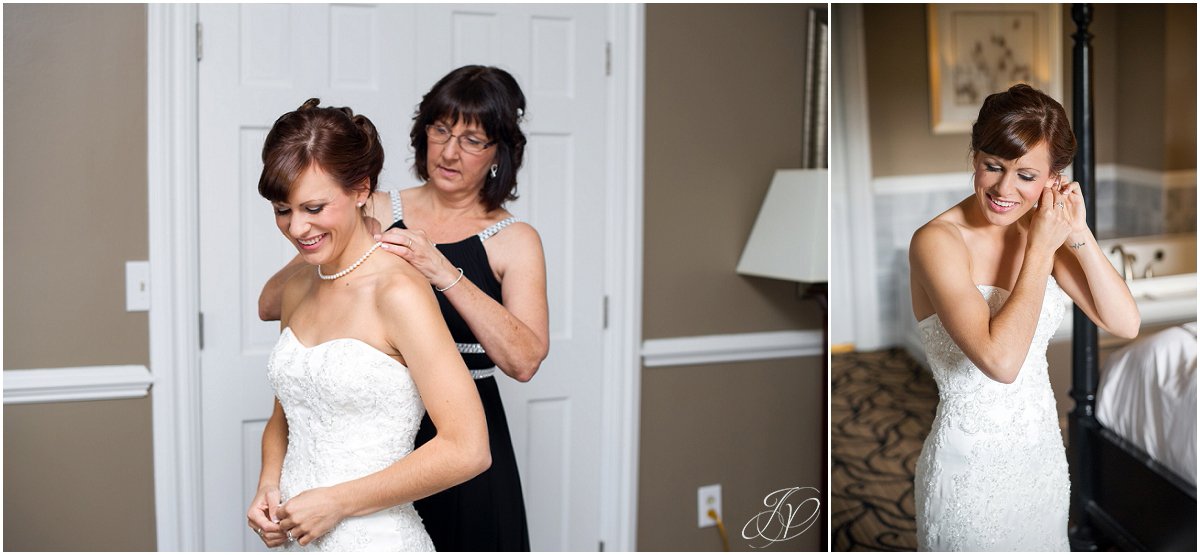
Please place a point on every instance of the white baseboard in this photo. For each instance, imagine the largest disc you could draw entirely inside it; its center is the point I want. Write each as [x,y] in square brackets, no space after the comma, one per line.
[710,349]
[81,383]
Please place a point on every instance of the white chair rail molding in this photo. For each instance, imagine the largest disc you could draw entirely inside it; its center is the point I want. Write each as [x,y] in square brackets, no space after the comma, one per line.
[80,383]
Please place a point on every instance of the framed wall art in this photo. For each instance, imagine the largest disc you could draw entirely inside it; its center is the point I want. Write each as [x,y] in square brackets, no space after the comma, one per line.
[979,49]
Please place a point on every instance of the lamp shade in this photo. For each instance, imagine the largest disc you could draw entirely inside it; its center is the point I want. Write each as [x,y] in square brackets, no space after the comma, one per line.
[790,237]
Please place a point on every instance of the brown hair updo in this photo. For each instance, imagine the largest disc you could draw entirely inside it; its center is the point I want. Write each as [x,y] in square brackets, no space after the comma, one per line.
[346,146]
[490,97]
[1012,122]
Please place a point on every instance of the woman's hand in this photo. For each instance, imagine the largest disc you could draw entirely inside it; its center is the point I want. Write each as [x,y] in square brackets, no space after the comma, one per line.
[1052,221]
[1072,197]
[310,515]
[415,247]
[262,516]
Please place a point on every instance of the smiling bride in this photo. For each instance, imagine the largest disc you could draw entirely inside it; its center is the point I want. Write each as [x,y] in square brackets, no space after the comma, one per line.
[363,354]
[992,278]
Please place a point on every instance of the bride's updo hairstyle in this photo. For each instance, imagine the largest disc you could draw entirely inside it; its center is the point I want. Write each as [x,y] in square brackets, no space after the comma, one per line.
[346,146]
[1012,122]
[489,97]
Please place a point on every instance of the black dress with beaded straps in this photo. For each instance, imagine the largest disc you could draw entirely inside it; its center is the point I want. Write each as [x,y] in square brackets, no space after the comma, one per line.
[487,512]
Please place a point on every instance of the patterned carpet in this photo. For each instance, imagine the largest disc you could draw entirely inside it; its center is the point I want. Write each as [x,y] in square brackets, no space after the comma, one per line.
[882,408]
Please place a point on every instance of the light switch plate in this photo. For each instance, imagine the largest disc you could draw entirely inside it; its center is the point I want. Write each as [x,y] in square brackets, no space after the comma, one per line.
[137,286]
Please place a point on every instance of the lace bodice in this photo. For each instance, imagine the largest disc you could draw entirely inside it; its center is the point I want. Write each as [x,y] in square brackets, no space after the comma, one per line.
[351,411]
[956,375]
[993,471]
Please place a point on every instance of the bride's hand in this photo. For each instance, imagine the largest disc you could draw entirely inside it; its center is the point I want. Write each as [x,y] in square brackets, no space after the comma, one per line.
[1072,197]
[310,515]
[262,518]
[1051,223]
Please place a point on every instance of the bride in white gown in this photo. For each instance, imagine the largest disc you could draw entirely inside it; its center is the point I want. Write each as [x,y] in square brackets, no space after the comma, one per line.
[992,278]
[363,354]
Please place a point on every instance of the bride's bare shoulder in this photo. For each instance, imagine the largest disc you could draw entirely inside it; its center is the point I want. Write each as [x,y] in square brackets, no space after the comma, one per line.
[945,227]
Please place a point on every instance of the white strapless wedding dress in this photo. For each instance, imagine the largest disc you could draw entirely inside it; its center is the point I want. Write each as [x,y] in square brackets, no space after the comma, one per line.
[351,411]
[993,473]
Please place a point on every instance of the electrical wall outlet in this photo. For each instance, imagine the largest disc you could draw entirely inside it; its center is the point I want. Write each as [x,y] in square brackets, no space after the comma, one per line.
[708,497]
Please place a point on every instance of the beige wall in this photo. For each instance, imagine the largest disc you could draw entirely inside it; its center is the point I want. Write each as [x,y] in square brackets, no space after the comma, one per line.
[1140,85]
[723,110]
[78,476]
[753,427]
[74,183]
[1141,64]
[1181,86]
[902,139]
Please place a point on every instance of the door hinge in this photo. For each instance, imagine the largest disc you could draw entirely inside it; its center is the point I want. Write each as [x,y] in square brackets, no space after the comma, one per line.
[605,312]
[201,330]
[607,58]
[199,41]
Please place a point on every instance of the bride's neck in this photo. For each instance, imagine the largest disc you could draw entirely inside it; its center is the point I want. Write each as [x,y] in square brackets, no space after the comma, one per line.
[360,242]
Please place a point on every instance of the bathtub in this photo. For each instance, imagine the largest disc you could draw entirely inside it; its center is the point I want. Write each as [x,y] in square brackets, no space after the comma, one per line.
[1168,295]
[1165,299]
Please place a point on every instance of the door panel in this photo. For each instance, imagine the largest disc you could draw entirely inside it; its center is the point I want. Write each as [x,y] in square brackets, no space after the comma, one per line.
[263,60]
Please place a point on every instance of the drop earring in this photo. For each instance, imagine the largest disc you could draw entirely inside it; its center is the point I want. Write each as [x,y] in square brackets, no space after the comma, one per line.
[494,168]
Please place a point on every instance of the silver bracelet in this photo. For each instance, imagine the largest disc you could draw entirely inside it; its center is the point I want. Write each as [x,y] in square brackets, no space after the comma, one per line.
[443,289]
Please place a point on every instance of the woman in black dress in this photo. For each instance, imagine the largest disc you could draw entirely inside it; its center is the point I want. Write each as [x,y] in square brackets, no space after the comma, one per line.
[489,274]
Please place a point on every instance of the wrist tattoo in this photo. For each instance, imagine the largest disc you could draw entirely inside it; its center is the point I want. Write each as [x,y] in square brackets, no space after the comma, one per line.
[1077,245]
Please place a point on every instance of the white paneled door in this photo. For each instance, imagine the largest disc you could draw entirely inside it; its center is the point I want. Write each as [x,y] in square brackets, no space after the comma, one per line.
[259,61]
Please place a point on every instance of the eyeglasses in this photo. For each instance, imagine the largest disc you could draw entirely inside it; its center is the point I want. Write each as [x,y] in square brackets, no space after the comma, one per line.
[439,134]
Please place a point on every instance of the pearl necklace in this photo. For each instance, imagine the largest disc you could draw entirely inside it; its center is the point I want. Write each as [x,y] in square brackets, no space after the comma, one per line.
[352,266]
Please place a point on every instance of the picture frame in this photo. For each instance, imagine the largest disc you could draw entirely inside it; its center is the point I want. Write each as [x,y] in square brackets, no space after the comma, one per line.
[979,49]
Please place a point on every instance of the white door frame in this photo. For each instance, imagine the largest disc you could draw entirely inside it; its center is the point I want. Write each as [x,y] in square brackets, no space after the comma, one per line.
[173,199]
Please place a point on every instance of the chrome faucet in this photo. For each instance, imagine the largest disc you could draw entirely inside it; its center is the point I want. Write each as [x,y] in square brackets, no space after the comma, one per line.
[1127,261]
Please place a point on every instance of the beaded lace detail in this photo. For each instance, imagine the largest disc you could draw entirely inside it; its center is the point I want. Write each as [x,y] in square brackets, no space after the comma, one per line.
[993,471]
[351,411]
[397,210]
[495,228]
[470,348]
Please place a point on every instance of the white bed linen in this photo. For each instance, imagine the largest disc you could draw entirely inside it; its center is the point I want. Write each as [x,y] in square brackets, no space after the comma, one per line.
[1147,395]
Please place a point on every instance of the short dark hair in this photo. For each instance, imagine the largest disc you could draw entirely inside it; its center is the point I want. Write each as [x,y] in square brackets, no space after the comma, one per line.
[487,96]
[344,145]
[1014,121]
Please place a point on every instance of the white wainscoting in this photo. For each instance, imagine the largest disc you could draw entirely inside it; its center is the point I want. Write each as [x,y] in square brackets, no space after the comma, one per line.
[710,349]
[81,383]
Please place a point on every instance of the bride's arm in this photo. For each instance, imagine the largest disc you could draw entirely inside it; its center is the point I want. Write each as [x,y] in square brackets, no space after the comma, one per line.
[458,452]
[1086,275]
[262,514]
[996,344]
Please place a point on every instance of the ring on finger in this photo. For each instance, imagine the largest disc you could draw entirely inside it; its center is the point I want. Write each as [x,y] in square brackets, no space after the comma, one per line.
[1061,205]
[289,536]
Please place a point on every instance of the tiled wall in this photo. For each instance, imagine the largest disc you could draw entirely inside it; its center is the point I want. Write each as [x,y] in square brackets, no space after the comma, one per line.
[1123,209]
[1138,211]
[1181,210]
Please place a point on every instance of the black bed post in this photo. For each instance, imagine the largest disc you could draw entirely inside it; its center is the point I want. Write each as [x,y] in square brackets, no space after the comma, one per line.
[1084,343]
